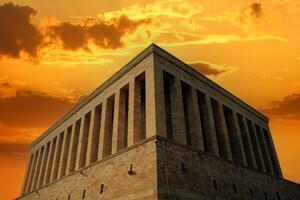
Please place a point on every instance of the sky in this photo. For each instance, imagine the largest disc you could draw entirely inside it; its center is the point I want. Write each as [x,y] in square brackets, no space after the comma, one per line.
[54,53]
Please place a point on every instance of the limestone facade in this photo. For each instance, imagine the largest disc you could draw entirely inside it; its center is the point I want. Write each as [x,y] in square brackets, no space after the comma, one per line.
[157,129]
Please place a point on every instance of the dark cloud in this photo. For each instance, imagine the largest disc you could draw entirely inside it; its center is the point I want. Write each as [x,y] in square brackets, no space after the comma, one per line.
[5,85]
[104,34]
[288,108]
[17,34]
[72,36]
[207,69]
[32,109]
[256,9]
[251,13]
[8,148]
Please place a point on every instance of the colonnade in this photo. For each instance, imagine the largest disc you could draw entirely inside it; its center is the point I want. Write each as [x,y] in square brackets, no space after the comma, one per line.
[203,122]
[114,124]
[159,102]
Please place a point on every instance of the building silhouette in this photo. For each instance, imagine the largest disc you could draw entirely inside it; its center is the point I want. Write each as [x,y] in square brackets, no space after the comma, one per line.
[157,129]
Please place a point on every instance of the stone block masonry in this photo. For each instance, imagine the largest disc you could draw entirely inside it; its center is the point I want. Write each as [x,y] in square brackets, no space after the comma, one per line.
[157,129]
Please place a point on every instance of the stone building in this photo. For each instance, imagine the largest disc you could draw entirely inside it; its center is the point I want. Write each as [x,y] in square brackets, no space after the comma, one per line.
[157,129]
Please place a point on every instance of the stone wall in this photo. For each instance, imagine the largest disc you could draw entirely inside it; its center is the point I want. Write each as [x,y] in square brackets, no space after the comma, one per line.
[113,173]
[184,173]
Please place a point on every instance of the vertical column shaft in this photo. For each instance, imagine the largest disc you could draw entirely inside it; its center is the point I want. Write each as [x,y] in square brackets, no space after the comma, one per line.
[77,165]
[196,130]
[44,165]
[178,120]
[66,148]
[234,133]
[187,111]
[117,123]
[120,123]
[264,150]
[212,136]
[274,158]
[256,147]
[38,168]
[69,158]
[240,140]
[90,137]
[27,174]
[74,147]
[50,161]
[221,130]
[106,128]
[155,102]
[96,134]
[102,130]
[84,140]
[61,158]
[134,113]
[29,188]
[248,143]
[57,156]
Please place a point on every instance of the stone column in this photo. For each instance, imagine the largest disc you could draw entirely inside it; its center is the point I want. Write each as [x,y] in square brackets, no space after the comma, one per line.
[261,159]
[196,129]
[71,166]
[178,120]
[84,140]
[250,145]
[277,169]
[95,134]
[102,130]
[66,151]
[27,174]
[212,136]
[77,165]
[44,165]
[50,161]
[90,138]
[224,132]
[116,126]
[38,168]
[33,170]
[57,156]
[265,152]
[239,140]
[119,126]
[155,102]
[69,157]
[62,158]
[134,114]
[106,128]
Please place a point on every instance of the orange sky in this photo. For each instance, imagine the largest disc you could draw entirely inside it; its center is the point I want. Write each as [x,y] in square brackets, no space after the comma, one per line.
[51,55]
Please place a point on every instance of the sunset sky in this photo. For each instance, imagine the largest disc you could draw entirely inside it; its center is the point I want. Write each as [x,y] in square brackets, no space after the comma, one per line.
[53,53]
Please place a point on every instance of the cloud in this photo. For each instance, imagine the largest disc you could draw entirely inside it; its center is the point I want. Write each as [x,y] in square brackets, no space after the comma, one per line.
[71,36]
[255,10]
[17,33]
[222,39]
[251,13]
[9,148]
[32,109]
[6,85]
[289,107]
[20,38]
[104,34]
[208,69]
